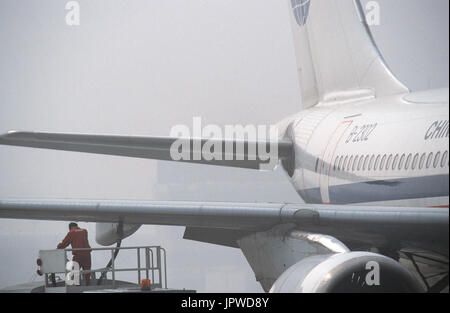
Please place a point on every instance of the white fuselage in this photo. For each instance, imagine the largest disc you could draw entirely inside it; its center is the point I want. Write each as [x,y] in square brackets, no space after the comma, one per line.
[385,151]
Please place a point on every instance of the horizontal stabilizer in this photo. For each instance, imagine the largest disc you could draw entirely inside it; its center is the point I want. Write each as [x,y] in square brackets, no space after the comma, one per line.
[233,153]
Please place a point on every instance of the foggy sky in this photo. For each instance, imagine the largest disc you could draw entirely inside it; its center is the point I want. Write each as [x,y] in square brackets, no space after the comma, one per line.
[139,67]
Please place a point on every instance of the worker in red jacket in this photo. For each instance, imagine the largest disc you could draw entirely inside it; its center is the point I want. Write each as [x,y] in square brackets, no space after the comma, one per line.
[78,238]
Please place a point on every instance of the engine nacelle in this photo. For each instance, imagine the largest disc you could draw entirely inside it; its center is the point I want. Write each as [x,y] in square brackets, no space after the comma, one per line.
[108,233]
[347,272]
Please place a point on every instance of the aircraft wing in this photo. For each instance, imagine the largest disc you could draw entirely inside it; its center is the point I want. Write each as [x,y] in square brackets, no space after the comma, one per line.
[233,153]
[226,215]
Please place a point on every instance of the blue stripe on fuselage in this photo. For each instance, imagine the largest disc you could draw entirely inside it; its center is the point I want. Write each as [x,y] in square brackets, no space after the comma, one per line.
[383,190]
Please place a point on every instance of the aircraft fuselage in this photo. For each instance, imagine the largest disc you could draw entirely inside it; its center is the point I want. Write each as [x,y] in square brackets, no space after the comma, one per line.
[385,151]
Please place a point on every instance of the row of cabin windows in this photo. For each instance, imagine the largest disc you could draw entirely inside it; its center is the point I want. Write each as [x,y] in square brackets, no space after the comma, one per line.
[390,162]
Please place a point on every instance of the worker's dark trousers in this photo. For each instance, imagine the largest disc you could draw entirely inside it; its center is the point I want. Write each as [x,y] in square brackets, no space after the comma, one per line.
[84,261]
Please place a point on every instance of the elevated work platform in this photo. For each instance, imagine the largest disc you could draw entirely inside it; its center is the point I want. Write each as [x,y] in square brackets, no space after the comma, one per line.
[64,276]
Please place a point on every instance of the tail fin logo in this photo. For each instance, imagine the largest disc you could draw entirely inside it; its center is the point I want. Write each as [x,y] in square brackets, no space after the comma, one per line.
[301,10]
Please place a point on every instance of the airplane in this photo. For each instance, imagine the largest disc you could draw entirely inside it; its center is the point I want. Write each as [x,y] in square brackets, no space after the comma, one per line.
[368,157]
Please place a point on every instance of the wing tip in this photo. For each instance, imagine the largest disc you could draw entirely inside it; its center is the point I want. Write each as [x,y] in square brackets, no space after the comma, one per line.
[13,133]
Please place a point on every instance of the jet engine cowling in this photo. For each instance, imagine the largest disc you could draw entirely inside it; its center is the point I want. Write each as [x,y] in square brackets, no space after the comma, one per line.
[109,233]
[347,272]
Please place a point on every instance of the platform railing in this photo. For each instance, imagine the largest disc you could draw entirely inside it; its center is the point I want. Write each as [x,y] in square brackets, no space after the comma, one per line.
[157,269]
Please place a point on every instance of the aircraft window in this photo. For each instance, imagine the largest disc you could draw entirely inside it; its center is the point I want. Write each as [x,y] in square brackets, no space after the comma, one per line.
[366,162]
[340,163]
[377,161]
[408,161]
[416,159]
[444,159]
[355,162]
[345,163]
[361,160]
[389,160]
[350,163]
[402,160]
[394,164]
[436,159]
[422,161]
[335,163]
[317,165]
[430,157]
[383,161]
[372,159]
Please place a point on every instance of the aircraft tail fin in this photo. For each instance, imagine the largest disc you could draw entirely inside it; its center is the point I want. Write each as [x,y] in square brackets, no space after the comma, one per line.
[337,58]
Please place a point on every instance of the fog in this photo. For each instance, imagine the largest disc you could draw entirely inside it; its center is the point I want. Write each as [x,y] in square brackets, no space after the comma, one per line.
[140,67]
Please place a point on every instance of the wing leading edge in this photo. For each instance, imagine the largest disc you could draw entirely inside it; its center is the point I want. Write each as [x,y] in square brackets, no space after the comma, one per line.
[225,215]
